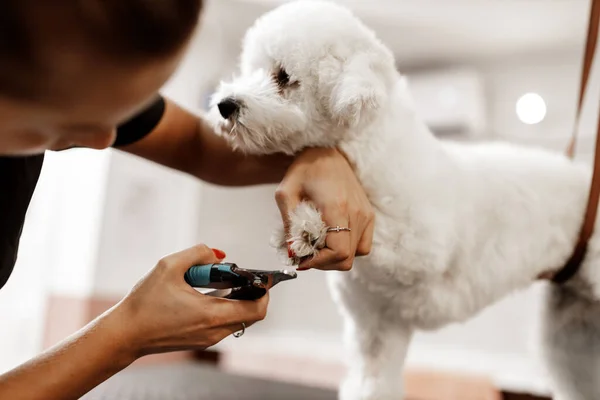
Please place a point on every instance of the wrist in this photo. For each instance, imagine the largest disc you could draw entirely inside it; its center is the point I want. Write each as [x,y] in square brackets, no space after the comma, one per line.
[317,159]
[118,336]
[316,153]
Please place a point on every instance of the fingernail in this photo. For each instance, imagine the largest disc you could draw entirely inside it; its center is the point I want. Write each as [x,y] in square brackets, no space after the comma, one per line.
[220,254]
[291,253]
[302,267]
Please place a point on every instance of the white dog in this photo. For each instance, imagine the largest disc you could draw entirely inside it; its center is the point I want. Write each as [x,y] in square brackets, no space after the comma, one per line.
[458,226]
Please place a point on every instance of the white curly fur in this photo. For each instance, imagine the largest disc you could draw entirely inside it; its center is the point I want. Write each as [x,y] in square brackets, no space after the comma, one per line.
[458,226]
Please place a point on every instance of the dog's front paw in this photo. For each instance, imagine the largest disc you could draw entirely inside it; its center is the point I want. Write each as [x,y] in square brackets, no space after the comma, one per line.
[307,234]
[307,231]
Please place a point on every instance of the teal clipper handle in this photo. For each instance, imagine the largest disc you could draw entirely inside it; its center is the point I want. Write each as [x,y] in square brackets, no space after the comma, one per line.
[215,276]
[198,275]
[246,284]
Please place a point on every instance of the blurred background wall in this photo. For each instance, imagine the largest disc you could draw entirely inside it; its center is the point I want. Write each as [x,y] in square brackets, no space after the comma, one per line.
[479,70]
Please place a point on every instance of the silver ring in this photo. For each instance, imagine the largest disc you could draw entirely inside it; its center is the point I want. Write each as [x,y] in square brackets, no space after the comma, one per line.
[338,229]
[241,332]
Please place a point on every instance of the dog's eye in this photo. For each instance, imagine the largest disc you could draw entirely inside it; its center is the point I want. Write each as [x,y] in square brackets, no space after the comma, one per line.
[283,79]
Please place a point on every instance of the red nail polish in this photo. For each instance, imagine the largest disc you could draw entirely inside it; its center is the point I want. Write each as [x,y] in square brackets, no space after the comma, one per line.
[220,254]
[291,253]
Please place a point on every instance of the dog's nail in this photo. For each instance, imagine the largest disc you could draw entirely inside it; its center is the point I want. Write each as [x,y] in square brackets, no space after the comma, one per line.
[220,254]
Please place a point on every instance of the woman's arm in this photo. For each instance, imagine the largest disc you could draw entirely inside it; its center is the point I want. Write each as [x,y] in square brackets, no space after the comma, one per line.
[162,313]
[184,142]
[72,368]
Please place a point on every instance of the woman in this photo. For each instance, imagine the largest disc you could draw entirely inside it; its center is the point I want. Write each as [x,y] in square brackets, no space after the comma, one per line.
[86,74]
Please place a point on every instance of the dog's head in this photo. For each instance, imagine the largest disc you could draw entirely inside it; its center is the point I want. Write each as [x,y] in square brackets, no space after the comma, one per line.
[310,73]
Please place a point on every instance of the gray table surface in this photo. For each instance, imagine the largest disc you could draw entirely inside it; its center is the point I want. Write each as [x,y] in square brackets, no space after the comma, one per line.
[197,382]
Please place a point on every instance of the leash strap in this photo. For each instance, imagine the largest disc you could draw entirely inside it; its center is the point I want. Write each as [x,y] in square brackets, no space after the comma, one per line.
[587,228]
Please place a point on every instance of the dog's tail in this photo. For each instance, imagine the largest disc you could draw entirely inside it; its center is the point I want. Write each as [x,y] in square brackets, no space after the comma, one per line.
[571,341]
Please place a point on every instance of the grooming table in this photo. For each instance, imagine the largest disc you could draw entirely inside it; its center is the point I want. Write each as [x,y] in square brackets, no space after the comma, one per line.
[201,381]
[193,381]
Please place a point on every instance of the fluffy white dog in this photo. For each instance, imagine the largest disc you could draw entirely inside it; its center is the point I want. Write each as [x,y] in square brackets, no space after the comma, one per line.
[458,226]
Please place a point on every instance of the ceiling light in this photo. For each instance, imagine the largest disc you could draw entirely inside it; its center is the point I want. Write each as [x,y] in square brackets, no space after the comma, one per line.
[531,108]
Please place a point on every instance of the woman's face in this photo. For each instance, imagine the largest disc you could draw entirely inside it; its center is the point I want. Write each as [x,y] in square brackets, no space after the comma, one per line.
[92,100]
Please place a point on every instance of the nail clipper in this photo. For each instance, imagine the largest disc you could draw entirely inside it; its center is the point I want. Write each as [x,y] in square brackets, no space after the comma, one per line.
[245,284]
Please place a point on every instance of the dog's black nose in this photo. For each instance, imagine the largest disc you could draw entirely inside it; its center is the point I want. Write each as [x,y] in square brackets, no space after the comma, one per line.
[228,107]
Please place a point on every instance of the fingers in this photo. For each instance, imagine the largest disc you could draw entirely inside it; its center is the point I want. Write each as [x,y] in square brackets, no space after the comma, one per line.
[328,260]
[211,337]
[234,312]
[218,293]
[245,314]
[366,241]
[342,247]
[287,199]
[181,261]
[339,251]
[223,332]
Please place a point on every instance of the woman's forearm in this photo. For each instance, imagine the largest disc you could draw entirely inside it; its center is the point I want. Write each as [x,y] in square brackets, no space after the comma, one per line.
[219,164]
[72,368]
[185,142]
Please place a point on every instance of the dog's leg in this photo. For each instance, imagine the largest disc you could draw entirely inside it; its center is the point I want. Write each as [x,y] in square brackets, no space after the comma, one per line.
[375,368]
[376,345]
[375,342]
[571,343]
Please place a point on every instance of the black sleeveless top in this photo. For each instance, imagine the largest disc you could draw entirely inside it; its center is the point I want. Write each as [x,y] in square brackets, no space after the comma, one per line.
[19,176]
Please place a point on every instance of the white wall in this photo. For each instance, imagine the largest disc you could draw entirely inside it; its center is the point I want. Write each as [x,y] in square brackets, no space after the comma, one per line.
[57,250]
[556,79]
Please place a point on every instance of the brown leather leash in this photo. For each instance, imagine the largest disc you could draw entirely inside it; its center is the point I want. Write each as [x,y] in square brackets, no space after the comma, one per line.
[587,228]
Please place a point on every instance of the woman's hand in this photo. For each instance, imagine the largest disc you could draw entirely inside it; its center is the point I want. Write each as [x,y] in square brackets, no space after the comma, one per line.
[325,177]
[163,313]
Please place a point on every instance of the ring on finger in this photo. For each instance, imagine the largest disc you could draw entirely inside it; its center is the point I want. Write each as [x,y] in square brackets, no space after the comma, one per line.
[338,229]
[240,332]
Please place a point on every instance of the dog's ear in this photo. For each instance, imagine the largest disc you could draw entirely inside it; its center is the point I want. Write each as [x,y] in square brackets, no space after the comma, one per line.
[359,90]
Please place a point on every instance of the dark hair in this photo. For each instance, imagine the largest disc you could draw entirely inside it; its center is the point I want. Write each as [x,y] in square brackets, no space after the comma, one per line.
[124,30]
